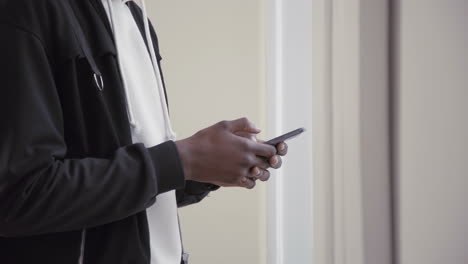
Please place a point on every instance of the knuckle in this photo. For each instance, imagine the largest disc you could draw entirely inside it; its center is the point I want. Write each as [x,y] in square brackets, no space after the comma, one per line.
[223,124]
[246,122]
[245,145]
[249,160]
[242,160]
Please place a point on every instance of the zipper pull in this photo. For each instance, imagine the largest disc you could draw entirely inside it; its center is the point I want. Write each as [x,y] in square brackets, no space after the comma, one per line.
[98,81]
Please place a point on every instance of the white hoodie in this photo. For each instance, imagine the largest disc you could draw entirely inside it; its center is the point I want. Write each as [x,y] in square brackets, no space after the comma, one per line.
[149,119]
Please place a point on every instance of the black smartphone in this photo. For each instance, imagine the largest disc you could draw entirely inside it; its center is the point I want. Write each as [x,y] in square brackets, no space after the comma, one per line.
[285,137]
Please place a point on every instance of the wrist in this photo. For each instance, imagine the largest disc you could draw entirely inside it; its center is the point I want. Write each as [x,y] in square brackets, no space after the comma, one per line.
[183,147]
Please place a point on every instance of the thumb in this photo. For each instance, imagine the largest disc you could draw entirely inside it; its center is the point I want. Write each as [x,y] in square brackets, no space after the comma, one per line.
[242,125]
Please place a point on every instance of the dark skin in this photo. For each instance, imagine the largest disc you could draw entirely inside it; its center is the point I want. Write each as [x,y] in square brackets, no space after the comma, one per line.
[228,154]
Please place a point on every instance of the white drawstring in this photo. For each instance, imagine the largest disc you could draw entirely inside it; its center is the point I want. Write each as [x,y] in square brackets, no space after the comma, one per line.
[131,117]
[170,135]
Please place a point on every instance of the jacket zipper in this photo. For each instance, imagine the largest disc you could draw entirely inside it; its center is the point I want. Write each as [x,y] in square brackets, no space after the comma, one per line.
[82,247]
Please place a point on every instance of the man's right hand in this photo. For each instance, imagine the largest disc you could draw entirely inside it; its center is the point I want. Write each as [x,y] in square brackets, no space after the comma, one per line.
[217,155]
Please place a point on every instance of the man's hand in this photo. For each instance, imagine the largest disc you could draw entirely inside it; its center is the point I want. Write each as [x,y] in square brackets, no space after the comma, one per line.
[275,162]
[217,155]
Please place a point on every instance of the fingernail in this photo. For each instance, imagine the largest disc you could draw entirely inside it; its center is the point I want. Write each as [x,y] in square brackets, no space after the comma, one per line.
[274,160]
[256,171]
[244,179]
[281,147]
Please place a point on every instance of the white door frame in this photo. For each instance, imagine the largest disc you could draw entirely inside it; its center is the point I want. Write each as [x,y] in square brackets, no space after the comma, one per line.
[289,96]
[347,113]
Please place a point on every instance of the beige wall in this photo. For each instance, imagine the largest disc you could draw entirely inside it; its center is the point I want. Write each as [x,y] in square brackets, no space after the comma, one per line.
[433,132]
[213,60]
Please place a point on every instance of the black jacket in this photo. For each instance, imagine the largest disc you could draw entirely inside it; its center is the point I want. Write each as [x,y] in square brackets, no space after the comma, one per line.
[67,162]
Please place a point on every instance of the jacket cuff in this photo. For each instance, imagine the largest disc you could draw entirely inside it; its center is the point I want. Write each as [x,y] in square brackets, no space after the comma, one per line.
[198,188]
[168,168]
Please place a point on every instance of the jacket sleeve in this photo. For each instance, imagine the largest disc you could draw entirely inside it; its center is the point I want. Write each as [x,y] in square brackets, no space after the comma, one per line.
[194,192]
[40,190]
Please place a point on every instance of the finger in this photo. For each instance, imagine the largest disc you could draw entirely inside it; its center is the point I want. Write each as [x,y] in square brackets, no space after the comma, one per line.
[247,183]
[255,172]
[253,179]
[241,124]
[262,150]
[247,135]
[276,162]
[261,174]
[282,149]
[261,163]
